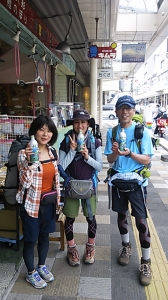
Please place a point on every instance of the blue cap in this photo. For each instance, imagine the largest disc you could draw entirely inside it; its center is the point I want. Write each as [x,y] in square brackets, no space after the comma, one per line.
[125,100]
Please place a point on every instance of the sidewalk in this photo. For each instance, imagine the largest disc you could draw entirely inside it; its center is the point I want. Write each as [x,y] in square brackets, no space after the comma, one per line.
[105,279]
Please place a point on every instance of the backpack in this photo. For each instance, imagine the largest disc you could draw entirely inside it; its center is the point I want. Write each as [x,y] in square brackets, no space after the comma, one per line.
[12,175]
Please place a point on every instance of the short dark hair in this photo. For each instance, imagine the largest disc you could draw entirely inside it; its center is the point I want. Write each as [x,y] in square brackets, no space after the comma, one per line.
[39,122]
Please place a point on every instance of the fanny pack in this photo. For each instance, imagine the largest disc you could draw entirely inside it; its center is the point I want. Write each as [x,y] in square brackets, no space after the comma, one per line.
[80,189]
[125,186]
[48,197]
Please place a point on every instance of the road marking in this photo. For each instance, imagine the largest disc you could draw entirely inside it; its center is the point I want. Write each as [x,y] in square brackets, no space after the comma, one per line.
[158,289]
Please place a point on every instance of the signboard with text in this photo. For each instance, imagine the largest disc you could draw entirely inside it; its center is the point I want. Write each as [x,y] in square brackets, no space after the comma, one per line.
[133,53]
[102,52]
[104,74]
[22,10]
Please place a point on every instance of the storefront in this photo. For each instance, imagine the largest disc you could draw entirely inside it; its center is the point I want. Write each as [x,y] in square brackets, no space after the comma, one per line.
[28,61]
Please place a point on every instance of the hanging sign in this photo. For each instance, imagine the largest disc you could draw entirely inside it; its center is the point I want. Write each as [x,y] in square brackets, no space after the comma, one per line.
[22,10]
[108,52]
[104,74]
[133,53]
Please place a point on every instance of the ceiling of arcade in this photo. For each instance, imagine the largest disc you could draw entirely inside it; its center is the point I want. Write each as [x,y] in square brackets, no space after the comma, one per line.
[102,22]
[123,21]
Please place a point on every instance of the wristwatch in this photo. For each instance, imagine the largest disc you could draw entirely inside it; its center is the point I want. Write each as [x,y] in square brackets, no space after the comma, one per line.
[128,155]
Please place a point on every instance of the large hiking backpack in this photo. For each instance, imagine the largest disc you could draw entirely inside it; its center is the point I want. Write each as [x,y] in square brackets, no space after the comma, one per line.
[12,176]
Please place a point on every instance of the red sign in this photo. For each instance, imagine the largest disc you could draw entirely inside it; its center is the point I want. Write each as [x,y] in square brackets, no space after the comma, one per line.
[102,52]
[22,10]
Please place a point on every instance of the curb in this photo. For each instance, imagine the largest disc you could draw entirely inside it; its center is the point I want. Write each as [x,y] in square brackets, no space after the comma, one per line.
[163,143]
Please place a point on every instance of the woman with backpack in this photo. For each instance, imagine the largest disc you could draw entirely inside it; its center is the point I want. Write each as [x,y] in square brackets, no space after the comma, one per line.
[81,165]
[35,179]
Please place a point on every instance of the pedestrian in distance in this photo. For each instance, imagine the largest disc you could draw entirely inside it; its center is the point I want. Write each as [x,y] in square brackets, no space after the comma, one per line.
[82,165]
[131,161]
[36,178]
[161,115]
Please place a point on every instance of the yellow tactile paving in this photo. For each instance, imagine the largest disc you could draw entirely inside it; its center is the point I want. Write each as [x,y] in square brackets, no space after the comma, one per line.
[158,289]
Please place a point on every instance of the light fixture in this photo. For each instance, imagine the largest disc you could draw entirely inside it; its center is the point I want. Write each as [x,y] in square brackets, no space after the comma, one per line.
[33,49]
[44,56]
[51,62]
[55,66]
[16,36]
[64,46]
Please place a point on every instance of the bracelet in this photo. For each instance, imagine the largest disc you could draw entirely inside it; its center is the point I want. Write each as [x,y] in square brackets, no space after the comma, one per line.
[128,155]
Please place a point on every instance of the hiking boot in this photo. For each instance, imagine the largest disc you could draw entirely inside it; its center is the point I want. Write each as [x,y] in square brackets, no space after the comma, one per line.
[124,254]
[45,274]
[35,280]
[145,276]
[73,256]
[89,254]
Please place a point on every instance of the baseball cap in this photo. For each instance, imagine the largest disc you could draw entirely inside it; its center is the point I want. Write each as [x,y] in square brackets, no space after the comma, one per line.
[125,100]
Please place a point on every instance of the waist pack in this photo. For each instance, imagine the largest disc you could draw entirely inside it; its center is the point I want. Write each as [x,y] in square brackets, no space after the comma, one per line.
[48,197]
[125,186]
[80,189]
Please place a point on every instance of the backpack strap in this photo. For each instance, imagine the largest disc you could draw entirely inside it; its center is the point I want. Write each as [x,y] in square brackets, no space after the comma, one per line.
[91,144]
[63,174]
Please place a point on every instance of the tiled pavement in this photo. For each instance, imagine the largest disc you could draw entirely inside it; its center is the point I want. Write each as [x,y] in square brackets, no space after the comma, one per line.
[105,279]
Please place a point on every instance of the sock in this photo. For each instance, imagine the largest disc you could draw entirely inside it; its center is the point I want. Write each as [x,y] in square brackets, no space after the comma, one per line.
[145,253]
[71,243]
[91,241]
[125,238]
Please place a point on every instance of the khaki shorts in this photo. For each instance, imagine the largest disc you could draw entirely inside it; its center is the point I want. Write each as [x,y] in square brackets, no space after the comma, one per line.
[71,207]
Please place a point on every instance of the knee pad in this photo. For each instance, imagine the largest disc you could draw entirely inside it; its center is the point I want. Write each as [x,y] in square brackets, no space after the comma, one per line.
[144,233]
[122,223]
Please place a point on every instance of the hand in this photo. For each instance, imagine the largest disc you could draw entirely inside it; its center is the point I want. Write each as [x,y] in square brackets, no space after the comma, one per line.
[84,152]
[116,150]
[73,143]
[125,152]
[28,152]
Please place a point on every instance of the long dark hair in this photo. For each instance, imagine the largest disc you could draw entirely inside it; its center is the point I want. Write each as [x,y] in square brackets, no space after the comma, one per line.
[39,122]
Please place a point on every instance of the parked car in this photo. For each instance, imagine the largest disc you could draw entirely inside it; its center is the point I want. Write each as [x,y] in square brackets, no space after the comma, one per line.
[108,111]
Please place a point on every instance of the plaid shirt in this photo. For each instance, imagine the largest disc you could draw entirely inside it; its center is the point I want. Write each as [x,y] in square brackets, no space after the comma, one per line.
[30,178]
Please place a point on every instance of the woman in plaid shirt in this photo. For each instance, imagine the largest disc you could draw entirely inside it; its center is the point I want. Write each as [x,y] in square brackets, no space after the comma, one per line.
[36,178]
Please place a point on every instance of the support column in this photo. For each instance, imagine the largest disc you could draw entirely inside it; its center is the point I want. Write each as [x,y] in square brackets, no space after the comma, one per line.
[100,103]
[93,87]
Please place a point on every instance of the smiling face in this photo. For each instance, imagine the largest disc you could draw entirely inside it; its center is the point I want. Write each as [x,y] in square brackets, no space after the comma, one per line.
[125,114]
[43,135]
[80,125]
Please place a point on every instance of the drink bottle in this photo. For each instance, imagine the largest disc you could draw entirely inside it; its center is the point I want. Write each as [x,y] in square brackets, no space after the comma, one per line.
[34,145]
[80,141]
[122,140]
